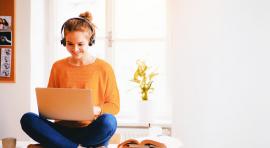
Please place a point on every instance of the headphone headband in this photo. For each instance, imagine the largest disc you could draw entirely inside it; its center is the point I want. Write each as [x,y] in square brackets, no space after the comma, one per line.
[92,38]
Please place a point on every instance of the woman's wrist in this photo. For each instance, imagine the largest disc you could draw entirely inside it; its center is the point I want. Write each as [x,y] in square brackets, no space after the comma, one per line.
[97,110]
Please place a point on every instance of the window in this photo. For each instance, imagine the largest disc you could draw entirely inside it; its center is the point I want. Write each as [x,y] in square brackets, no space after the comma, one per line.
[126,31]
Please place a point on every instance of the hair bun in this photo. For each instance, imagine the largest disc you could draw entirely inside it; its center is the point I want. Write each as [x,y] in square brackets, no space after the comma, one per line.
[87,15]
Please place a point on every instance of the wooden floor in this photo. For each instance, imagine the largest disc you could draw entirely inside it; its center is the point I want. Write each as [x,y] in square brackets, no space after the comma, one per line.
[23,144]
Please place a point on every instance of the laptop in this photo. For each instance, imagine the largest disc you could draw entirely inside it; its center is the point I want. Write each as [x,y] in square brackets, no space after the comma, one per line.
[65,103]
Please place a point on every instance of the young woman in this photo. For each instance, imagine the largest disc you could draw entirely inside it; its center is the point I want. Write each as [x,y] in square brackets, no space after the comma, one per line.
[80,70]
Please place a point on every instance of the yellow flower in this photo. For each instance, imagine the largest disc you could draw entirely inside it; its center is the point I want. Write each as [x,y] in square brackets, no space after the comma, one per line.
[144,79]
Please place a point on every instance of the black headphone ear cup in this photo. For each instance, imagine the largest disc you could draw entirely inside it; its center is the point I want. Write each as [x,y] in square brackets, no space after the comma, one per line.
[63,42]
[92,41]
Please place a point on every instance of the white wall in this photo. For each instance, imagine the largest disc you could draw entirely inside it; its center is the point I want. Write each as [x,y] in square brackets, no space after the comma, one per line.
[40,49]
[221,75]
[14,97]
[32,56]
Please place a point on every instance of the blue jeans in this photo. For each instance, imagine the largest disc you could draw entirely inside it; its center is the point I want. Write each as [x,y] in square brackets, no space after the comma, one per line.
[52,135]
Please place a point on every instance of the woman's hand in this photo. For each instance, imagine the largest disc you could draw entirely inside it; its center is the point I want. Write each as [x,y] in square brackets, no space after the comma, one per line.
[97,110]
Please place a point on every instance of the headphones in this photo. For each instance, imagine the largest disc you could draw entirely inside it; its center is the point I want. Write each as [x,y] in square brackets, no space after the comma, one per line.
[92,38]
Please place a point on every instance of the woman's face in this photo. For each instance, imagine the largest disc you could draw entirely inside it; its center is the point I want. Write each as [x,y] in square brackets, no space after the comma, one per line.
[77,43]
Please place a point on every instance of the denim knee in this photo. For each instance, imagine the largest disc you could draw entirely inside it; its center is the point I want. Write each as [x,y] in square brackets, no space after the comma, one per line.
[108,121]
[27,118]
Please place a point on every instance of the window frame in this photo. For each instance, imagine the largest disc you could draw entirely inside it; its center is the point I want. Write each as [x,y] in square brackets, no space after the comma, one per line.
[109,38]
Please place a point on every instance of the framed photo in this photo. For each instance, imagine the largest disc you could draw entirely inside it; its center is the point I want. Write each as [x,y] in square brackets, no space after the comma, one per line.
[5,66]
[5,39]
[5,23]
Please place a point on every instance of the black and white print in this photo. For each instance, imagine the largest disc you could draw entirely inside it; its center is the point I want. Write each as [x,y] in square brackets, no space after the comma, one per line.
[5,68]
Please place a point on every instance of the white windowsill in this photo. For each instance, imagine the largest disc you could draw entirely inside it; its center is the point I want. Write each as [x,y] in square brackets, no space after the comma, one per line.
[137,123]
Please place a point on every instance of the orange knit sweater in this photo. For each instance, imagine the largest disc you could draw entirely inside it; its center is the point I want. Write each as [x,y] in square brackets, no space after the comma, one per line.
[98,76]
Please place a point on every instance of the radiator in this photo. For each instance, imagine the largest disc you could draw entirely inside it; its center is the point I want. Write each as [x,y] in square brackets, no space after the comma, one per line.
[127,131]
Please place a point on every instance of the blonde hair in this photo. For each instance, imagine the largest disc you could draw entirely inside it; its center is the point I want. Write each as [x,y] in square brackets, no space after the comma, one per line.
[81,23]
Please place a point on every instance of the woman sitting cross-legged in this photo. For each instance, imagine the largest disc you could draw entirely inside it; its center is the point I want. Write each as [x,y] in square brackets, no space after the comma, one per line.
[80,70]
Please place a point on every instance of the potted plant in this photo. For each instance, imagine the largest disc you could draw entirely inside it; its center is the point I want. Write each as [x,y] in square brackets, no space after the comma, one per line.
[144,78]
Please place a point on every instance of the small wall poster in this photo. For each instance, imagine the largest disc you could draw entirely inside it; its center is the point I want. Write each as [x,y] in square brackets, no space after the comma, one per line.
[5,68]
